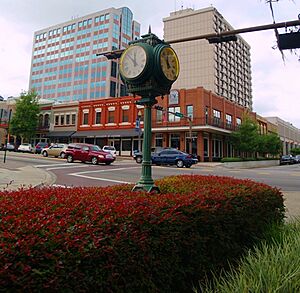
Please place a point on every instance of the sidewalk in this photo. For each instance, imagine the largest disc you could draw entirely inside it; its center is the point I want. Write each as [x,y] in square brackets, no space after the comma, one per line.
[12,179]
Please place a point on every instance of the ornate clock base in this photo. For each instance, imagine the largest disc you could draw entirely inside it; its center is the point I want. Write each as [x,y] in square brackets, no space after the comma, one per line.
[150,188]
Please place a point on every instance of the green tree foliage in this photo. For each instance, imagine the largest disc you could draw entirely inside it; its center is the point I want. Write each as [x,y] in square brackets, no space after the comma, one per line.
[245,139]
[269,144]
[25,119]
[295,151]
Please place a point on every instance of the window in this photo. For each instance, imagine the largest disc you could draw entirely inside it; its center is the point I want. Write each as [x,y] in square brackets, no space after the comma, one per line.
[125,115]
[238,121]
[67,119]
[56,120]
[206,115]
[73,119]
[159,139]
[189,111]
[112,88]
[111,116]
[85,119]
[62,120]
[216,117]
[113,69]
[228,120]
[159,115]
[172,117]
[98,117]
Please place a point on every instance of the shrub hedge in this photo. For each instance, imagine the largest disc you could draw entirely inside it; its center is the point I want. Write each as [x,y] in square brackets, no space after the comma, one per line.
[114,240]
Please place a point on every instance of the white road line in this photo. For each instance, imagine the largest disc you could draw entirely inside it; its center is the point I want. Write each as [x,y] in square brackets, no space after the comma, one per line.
[50,165]
[67,167]
[101,179]
[101,171]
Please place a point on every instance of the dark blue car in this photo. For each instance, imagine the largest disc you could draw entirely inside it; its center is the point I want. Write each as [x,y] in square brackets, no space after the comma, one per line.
[173,157]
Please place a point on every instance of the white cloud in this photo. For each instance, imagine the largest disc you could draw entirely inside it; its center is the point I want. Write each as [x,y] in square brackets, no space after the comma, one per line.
[275,85]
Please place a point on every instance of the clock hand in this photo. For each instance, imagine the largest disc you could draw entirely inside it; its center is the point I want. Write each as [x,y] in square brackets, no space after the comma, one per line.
[168,63]
[133,60]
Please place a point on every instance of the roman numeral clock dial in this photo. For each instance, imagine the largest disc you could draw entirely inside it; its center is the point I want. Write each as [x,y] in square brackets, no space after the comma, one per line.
[133,62]
[169,63]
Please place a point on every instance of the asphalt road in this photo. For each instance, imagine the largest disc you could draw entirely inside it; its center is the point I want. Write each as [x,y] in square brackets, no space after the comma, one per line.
[286,178]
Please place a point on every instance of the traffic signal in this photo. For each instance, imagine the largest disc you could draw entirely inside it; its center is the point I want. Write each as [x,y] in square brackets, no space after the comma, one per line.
[159,108]
[217,40]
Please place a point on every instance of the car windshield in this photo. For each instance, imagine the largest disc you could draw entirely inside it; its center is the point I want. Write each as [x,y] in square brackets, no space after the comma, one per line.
[110,148]
[95,148]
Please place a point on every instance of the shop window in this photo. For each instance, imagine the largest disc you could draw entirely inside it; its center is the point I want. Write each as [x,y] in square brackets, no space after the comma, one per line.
[189,111]
[73,119]
[111,116]
[158,139]
[56,120]
[172,117]
[125,115]
[98,117]
[85,118]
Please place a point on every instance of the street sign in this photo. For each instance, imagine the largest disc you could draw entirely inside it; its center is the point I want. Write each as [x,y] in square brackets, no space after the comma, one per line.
[178,114]
[137,125]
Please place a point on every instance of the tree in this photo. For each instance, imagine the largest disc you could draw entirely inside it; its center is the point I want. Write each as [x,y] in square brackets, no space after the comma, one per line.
[245,138]
[269,144]
[295,151]
[25,120]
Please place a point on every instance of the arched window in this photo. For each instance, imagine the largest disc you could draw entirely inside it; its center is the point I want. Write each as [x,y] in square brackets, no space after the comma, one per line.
[47,121]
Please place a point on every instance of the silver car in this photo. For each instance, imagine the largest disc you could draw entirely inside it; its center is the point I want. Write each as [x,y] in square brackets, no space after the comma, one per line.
[55,150]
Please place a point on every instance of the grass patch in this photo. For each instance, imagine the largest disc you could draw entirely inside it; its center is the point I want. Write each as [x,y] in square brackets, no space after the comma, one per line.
[273,266]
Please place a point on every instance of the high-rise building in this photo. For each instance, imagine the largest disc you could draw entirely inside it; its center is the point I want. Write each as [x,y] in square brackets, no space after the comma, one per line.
[223,68]
[64,64]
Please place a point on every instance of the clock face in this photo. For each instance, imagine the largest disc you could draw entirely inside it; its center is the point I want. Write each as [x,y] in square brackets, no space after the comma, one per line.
[133,62]
[169,63]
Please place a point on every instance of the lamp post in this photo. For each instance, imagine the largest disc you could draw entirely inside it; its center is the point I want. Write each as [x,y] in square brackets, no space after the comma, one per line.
[139,115]
[7,135]
[148,67]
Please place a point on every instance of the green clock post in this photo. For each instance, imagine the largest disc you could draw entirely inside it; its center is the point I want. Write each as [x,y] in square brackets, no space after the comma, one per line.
[148,67]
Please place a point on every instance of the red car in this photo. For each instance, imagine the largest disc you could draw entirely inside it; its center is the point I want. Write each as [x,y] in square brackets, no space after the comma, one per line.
[87,153]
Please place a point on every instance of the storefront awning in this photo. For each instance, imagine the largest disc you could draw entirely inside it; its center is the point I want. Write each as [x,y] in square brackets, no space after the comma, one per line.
[107,133]
[59,133]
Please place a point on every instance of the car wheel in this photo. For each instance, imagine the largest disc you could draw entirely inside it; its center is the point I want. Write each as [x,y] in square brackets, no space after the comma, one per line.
[139,159]
[188,165]
[70,159]
[62,155]
[94,161]
[179,164]
[107,163]
[45,154]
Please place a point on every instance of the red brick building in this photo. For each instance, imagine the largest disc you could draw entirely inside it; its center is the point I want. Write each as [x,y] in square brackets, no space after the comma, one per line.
[113,121]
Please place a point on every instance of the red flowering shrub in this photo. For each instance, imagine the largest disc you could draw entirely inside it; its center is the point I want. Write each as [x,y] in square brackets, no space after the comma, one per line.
[114,240]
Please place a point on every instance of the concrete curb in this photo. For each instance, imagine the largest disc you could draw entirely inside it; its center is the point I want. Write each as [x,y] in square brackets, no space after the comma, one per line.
[24,177]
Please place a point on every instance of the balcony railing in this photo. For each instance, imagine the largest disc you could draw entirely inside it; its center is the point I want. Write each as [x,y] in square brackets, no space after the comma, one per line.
[202,121]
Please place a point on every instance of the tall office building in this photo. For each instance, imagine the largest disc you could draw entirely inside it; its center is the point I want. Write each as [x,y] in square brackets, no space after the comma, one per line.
[222,68]
[64,64]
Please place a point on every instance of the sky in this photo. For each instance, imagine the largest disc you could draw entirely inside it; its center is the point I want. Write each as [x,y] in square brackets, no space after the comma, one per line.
[275,83]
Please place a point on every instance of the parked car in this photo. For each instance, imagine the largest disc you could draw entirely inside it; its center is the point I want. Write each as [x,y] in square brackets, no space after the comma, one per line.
[138,155]
[173,157]
[297,159]
[9,147]
[39,146]
[287,160]
[110,149]
[87,153]
[55,150]
[26,148]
